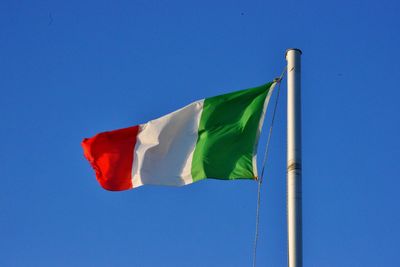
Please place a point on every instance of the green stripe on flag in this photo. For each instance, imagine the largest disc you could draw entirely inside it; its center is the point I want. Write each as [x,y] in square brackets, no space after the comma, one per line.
[228,133]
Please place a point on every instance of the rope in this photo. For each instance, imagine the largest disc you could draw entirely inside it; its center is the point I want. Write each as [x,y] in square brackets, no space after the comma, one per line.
[278,80]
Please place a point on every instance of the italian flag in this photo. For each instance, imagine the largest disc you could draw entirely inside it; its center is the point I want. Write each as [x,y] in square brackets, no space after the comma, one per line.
[215,138]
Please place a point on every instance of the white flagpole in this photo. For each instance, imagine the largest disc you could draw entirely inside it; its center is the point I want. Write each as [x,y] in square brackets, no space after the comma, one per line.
[294,195]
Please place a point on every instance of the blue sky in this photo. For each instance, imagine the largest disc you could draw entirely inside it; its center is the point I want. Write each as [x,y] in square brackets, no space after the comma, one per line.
[71,69]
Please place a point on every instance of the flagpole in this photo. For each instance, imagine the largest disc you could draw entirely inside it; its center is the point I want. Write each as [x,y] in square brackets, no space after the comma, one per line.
[294,192]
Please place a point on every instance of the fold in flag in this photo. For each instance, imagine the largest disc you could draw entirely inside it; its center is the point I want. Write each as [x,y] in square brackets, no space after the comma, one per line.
[215,137]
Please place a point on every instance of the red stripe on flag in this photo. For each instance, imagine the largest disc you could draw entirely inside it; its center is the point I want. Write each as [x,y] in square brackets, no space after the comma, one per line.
[111,156]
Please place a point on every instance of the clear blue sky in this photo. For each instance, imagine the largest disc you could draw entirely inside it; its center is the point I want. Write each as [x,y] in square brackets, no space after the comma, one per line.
[70,69]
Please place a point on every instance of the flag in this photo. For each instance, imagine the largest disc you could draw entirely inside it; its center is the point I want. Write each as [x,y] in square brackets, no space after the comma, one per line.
[214,137]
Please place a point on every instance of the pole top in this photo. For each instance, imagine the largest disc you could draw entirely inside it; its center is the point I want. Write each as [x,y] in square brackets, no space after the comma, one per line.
[295,49]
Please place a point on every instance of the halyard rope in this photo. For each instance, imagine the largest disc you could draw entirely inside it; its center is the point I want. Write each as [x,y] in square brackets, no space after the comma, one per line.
[260,180]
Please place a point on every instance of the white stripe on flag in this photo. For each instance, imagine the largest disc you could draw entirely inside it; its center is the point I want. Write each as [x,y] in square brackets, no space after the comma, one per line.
[164,148]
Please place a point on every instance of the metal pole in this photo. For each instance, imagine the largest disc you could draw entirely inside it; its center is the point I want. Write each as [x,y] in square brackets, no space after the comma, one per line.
[294,195]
